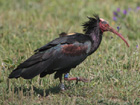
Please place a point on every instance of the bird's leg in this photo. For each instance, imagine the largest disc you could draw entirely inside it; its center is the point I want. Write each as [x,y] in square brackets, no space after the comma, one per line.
[74,78]
[62,87]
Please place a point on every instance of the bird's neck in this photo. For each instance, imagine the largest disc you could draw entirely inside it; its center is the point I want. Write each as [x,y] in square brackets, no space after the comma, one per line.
[96,37]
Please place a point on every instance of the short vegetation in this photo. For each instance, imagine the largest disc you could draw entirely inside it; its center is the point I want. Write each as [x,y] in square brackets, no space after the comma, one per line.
[114,69]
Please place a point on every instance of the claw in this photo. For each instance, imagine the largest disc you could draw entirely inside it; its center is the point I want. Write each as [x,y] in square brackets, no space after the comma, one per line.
[62,86]
[82,79]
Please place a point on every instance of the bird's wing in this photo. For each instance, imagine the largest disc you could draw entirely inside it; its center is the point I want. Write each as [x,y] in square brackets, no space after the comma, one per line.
[69,55]
[53,56]
[60,56]
[76,37]
[65,57]
[74,44]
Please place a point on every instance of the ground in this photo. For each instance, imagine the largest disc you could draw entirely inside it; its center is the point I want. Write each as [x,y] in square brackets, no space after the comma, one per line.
[26,25]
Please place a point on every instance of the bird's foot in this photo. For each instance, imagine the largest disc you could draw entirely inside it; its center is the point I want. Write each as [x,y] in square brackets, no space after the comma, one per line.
[62,86]
[82,79]
[77,79]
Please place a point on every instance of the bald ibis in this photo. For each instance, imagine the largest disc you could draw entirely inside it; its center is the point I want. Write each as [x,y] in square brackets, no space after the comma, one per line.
[66,52]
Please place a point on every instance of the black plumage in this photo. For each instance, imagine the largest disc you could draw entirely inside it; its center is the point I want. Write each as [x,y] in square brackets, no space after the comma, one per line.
[53,57]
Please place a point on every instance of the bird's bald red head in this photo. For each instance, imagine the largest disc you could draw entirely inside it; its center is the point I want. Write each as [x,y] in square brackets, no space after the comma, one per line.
[104,26]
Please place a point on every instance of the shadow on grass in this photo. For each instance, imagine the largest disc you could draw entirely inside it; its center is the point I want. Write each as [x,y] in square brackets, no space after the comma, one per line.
[36,91]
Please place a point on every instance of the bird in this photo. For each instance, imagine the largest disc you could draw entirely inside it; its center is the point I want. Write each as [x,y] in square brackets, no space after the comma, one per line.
[62,54]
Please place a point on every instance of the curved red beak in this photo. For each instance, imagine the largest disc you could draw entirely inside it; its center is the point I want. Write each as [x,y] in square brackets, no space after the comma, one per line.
[115,32]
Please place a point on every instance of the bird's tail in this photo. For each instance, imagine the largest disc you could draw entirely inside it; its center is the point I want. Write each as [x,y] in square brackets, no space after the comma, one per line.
[15,73]
[29,72]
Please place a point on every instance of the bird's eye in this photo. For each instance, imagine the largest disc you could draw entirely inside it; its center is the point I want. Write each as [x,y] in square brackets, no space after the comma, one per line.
[106,25]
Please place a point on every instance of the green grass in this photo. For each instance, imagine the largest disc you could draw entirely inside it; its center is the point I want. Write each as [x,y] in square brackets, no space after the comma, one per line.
[26,25]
